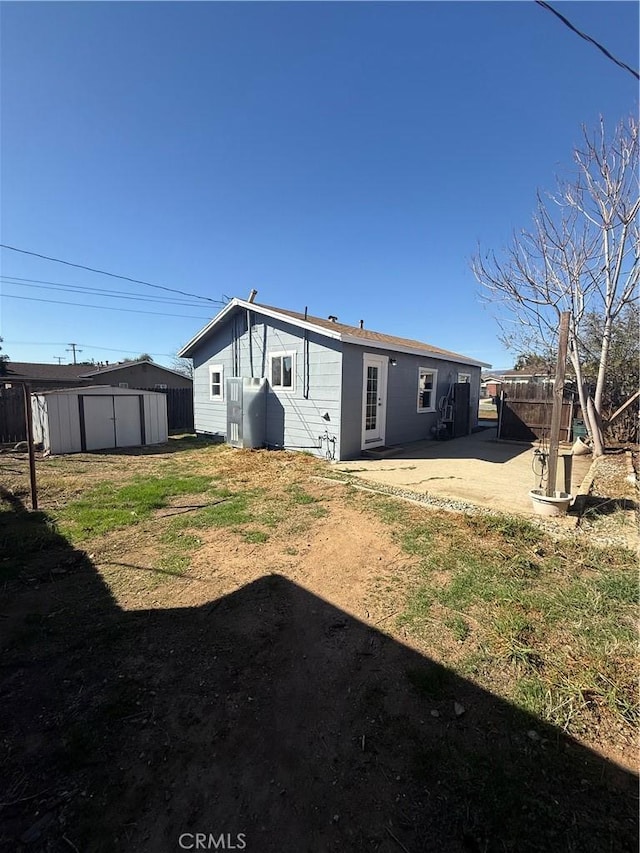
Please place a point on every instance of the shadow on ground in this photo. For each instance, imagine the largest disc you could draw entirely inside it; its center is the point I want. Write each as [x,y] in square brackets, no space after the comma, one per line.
[481,445]
[272,714]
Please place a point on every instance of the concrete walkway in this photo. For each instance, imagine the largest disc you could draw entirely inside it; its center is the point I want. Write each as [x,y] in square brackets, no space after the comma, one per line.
[476,468]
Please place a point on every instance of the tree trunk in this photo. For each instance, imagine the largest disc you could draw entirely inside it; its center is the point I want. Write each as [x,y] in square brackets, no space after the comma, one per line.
[577,368]
[596,426]
[602,367]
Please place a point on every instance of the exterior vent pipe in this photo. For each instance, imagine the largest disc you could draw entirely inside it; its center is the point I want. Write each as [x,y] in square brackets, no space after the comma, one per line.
[362,324]
[252,295]
[333,318]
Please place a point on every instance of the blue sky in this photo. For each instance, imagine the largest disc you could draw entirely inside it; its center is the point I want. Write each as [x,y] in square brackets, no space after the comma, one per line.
[347,157]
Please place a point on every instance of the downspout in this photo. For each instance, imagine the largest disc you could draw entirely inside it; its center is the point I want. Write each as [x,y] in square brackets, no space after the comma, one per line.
[305,359]
[250,335]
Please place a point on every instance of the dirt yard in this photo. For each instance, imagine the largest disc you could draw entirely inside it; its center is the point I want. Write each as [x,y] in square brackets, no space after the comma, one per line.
[236,644]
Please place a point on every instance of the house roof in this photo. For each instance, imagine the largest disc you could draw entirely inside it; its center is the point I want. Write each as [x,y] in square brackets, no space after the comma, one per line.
[37,372]
[331,329]
[120,365]
[500,375]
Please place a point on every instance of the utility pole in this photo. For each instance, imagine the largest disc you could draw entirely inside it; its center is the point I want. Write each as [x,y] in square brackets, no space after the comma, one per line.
[556,413]
[73,349]
[58,358]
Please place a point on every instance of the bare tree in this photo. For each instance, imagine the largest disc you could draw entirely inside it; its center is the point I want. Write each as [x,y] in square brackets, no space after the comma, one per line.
[582,255]
[184,366]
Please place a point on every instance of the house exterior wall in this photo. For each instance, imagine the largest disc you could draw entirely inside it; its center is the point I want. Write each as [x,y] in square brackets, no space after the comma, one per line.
[404,423]
[295,418]
[145,375]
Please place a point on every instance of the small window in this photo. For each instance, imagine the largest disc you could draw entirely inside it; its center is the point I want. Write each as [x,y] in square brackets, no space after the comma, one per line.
[161,386]
[464,377]
[216,382]
[282,373]
[123,384]
[427,383]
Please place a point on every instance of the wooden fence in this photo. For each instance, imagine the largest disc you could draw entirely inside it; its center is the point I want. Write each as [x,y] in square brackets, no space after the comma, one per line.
[524,412]
[179,409]
[12,423]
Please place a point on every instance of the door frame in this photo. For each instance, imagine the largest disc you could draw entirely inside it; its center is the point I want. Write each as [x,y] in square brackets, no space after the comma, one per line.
[382,362]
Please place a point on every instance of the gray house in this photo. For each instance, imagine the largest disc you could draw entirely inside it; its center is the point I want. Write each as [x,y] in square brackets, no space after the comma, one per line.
[319,385]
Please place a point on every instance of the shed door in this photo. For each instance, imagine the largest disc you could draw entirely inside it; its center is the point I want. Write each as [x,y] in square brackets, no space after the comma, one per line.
[99,422]
[374,400]
[127,420]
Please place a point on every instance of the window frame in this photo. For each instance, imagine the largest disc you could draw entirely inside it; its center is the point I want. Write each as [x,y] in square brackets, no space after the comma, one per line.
[123,384]
[283,354]
[422,369]
[467,378]
[216,368]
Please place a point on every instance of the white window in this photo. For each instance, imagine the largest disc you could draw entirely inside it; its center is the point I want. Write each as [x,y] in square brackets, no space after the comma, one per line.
[427,388]
[216,382]
[123,384]
[160,386]
[464,377]
[282,370]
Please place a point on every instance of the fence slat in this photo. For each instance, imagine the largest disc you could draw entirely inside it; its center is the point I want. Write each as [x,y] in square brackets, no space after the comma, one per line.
[12,419]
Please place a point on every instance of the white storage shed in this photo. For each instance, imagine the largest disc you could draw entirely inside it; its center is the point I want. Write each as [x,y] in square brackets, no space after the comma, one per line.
[76,420]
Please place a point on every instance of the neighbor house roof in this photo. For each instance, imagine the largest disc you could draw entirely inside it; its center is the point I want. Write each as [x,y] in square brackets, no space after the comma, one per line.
[330,329]
[35,372]
[500,375]
[121,365]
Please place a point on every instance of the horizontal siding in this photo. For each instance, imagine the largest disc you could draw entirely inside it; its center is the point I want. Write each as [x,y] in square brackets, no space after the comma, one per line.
[404,423]
[294,421]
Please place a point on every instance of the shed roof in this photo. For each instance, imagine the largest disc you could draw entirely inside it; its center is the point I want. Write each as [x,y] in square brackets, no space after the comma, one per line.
[331,329]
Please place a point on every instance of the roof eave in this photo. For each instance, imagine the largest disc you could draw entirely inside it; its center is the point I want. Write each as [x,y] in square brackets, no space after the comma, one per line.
[458,359]
[188,349]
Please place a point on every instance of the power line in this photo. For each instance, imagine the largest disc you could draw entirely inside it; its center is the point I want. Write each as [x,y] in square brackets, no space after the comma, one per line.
[104,272]
[592,41]
[86,346]
[102,307]
[91,291]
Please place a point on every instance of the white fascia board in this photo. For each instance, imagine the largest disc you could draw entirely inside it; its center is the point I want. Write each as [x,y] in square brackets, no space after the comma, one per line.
[256,309]
[185,351]
[360,342]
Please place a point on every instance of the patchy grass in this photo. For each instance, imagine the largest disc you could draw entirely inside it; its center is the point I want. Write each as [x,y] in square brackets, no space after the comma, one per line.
[24,536]
[256,537]
[550,624]
[107,507]
[297,495]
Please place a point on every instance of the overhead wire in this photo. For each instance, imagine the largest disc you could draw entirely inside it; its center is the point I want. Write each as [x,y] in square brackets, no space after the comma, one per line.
[122,350]
[101,307]
[104,272]
[588,38]
[94,291]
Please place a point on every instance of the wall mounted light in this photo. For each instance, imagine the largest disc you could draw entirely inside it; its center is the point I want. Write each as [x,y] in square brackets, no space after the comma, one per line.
[393,362]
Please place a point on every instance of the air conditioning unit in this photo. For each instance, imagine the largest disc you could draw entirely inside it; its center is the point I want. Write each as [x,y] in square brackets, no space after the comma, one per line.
[246,412]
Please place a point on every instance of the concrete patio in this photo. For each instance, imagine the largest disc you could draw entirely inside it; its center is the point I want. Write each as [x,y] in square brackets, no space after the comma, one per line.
[476,468]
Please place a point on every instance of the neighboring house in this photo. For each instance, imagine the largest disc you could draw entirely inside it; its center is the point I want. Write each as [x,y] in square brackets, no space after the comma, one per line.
[128,374]
[331,389]
[492,382]
[45,377]
[138,374]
